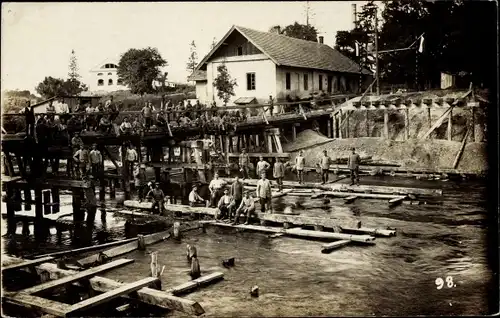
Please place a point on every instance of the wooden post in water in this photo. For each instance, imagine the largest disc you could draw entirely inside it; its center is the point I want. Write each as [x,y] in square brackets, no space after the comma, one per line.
[125,176]
[334,120]
[407,123]
[46,201]
[77,206]
[11,221]
[28,200]
[367,124]
[448,132]
[112,189]
[340,123]
[386,124]
[17,200]
[38,223]
[56,200]
[429,123]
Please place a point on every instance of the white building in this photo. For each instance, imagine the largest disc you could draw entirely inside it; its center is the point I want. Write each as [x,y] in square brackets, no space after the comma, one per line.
[268,64]
[104,77]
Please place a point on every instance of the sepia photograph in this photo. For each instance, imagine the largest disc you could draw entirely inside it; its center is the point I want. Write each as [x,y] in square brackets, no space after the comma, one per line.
[249,159]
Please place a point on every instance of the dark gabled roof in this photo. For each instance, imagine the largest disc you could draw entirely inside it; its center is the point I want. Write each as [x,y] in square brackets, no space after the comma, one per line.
[287,51]
[198,75]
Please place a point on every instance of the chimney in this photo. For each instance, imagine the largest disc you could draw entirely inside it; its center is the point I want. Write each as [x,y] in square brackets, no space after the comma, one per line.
[276,29]
[320,39]
[354,16]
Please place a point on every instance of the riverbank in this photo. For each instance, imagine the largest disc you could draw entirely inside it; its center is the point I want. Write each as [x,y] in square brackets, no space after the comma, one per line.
[413,153]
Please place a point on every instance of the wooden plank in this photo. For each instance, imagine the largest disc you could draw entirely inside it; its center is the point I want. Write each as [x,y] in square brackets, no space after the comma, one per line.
[448,131]
[45,305]
[397,200]
[146,295]
[370,231]
[26,263]
[326,248]
[50,183]
[88,248]
[350,198]
[109,295]
[298,232]
[386,124]
[189,286]
[156,237]
[461,150]
[114,252]
[348,195]
[438,123]
[79,276]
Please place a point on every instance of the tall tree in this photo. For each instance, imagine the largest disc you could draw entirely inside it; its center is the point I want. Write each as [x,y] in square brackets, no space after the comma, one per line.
[224,84]
[301,31]
[138,68]
[193,58]
[73,67]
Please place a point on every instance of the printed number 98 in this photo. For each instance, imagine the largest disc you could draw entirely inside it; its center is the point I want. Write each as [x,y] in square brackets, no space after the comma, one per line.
[440,282]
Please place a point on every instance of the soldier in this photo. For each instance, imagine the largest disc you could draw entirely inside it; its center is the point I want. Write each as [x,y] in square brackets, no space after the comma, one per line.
[264,193]
[246,207]
[125,127]
[224,205]
[300,162]
[195,199]
[237,194]
[82,158]
[95,161]
[324,164]
[262,166]
[215,188]
[132,157]
[29,116]
[147,113]
[353,165]
[243,162]
[158,198]
[140,181]
[279,173]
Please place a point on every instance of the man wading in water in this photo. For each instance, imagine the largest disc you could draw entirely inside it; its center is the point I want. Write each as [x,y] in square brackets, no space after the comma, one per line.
[353,165]
[158,197]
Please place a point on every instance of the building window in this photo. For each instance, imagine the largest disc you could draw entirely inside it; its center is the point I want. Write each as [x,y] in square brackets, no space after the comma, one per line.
[110,82]
[287,81]
[100,82]
[119,82]
[240,50]
[99,74]
[306,82]
[321,82]
[250,81]
[110,73]
[110,65]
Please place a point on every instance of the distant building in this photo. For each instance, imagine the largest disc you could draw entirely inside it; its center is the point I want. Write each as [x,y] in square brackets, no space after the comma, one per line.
[266,63]
[104,77]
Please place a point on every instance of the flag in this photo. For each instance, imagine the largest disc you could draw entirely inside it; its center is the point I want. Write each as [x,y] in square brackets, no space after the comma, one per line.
[421,46]
[357,47]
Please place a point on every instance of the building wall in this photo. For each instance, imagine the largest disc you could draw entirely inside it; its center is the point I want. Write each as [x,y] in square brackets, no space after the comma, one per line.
[340,82]
[234,41]
[201,91]
[238,67]
[105,75]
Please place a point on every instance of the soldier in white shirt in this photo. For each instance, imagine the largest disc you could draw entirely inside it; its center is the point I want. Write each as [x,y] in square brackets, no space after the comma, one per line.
[132,157]
[264,193]
[300,162]
[262,166]
[215,188]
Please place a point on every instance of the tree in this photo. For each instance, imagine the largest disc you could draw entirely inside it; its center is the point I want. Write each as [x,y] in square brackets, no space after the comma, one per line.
[73,67]
[193,58]
[51,87]
[301,31]
[224,84]
[138,68]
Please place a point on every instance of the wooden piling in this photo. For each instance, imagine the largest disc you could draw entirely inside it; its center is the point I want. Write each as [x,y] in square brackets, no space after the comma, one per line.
[407,123]
[78,215]
[367,123]
[11,222]
[56,200]
[329,127]
[38,223]
[448,132]
[348,113]
[294,132]
[334,120]
[28,200]
[17,200]
[386,124]
[473,120]
[141,242]
[125,176]
[112,189]
[46,201]
[429,122]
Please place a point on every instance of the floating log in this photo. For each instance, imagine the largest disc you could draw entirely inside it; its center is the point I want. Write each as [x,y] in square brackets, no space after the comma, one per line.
[25,264]
[31,215]
[75,309]
[42,304]
[326,248]
[370,231]
[396,201]
[350,198]
[146,295]
[299,232]
[87,249]
[346,187]
[125,248]
[77,277]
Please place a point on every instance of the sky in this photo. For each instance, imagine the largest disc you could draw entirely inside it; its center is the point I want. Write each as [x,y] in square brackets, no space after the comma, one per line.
[37,38]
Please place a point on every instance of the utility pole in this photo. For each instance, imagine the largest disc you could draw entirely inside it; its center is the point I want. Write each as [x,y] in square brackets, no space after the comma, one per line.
[376,53]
